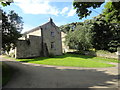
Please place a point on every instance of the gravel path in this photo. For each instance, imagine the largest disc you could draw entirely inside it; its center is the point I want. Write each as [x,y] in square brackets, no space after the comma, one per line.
[29,75]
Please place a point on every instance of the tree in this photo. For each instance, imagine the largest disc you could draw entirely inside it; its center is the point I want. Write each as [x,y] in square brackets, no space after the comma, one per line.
[6,2]
[102,35]
[80,38]
[12,25]
[69,27]
[115,38]
[111,9]
[82,7]
[106,35]
[94,33]
[112,12]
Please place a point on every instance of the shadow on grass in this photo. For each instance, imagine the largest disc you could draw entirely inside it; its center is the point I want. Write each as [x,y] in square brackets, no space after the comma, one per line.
[28,76]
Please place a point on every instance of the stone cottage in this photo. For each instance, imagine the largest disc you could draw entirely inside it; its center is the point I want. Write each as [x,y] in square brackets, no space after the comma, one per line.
[43,40]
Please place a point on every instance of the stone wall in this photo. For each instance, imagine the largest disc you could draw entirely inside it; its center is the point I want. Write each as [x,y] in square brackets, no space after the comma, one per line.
[39,42]
[65,48]
[112,55]
[28,48]
[36,32]
[48,38]
[100,54]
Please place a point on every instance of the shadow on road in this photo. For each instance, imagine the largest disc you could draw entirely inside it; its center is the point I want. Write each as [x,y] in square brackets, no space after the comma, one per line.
[28,76]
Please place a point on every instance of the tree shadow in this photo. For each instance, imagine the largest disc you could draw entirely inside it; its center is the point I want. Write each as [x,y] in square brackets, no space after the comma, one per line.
[29,76]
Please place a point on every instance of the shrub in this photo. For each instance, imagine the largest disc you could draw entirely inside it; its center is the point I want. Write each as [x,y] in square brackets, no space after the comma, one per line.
[51,55]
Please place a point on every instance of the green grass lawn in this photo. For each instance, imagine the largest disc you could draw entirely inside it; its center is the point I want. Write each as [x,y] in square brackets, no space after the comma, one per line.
[72,60]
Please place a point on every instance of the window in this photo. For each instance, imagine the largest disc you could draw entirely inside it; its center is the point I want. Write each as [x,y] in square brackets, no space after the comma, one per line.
[52,45]
[52,34]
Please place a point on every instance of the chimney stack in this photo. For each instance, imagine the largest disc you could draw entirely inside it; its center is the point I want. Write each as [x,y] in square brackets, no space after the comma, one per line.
[50,19]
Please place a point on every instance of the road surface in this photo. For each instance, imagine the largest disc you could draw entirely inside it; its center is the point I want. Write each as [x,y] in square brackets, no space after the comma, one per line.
[45,76]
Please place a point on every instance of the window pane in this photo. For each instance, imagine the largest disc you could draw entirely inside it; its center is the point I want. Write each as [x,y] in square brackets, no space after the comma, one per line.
[52,33]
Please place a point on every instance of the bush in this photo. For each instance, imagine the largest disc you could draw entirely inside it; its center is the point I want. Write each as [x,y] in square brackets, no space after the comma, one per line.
[51,55]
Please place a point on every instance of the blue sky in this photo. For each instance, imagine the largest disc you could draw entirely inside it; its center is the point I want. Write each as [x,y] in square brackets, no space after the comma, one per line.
[37,12]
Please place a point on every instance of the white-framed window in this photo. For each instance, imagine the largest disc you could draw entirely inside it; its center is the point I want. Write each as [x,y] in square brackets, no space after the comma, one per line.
[52,45]
[52,34]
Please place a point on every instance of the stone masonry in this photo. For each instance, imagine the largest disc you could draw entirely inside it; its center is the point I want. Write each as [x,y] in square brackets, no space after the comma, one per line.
[43,40]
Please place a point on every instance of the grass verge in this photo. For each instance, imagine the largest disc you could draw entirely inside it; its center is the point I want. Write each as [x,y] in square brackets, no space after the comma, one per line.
[73,60]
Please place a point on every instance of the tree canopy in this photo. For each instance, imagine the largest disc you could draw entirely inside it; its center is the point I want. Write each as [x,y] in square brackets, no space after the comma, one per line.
[69,27]
[6,2]
[94,33]
[111,11]
[12,25]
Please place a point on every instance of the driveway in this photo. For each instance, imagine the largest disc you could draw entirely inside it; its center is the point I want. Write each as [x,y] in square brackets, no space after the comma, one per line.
[45,76]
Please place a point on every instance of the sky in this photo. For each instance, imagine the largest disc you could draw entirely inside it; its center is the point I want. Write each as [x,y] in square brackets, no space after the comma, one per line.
[38,12]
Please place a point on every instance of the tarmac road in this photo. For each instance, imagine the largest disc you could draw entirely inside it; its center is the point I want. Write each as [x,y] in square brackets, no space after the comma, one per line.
[45,76]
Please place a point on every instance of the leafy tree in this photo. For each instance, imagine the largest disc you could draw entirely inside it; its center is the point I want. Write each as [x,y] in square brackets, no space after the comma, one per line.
[80,38]
[95,33]
[115,38]
[12,25]
[69,27]
[82,7]
[111,12]
[106,35]
[6,2]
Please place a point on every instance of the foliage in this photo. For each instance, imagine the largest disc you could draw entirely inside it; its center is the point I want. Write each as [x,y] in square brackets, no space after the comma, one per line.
[105,27]
[69,27]
[82,7]
[102,34]
[106,35]
[12,25]
[80,39]
[6,2]
[51,55]
[111,11]
[94,33]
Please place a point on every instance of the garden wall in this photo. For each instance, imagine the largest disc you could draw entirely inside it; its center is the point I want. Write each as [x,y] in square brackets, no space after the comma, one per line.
[101,53]
[28,48]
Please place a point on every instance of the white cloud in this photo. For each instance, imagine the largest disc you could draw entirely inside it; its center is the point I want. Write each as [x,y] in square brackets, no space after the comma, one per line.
[71,12]
[60,23]
[37,7]
[65,9]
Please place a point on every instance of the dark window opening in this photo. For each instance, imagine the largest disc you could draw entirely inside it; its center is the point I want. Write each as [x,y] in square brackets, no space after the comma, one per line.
[52,45]
[52,34]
